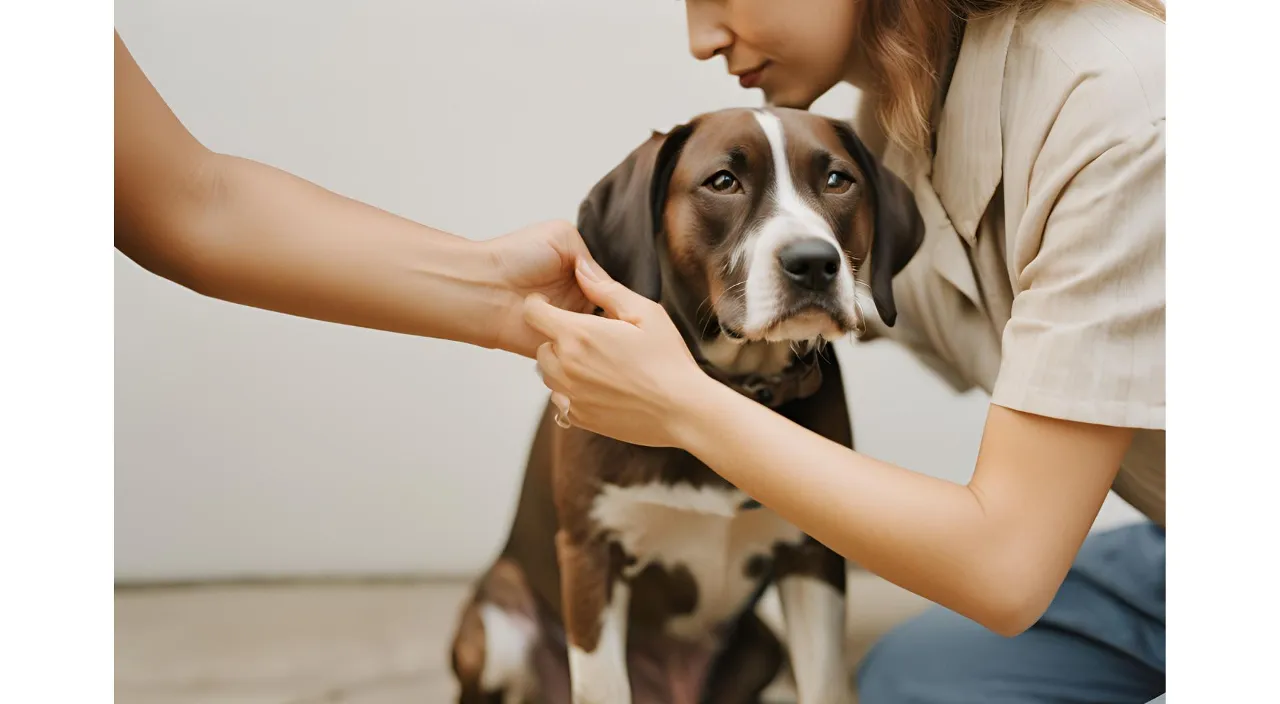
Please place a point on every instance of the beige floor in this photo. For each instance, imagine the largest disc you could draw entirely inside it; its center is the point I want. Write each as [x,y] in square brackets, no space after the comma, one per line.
[327,643]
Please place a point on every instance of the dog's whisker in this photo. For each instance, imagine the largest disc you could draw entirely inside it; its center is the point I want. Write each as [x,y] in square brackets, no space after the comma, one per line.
[705,324]
[740,285]
[823,346]
[860,326]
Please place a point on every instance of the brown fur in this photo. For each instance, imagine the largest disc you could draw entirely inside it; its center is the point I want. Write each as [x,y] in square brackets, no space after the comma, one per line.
[649,227]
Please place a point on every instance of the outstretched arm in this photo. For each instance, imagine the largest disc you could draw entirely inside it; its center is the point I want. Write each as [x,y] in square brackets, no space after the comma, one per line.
[245,232]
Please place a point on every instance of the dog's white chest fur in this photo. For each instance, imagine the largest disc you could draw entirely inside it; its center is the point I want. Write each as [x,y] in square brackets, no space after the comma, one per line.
[703,530]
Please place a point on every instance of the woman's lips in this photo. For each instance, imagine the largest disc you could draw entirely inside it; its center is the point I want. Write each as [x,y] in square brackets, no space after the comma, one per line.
[751,78]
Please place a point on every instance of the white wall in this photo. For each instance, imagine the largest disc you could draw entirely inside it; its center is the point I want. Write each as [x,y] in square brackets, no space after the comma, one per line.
[249,443]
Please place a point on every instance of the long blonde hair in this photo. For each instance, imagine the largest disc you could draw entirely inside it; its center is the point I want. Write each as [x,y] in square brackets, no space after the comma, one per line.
[906,42]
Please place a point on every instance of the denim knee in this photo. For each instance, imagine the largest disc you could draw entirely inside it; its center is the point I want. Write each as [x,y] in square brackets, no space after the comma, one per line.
[940,657]
[885,674]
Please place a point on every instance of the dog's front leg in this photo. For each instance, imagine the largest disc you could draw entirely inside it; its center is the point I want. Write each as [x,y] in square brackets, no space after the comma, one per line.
[811,588]
[596,601]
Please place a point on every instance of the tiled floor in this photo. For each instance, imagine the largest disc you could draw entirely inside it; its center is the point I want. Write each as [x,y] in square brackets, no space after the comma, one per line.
[327,643]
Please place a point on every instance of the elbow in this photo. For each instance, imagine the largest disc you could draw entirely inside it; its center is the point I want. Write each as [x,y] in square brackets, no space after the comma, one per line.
[1011,615]
[1010,602]
[169,229]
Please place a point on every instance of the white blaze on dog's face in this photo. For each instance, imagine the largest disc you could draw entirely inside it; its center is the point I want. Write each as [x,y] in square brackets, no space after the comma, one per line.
[799,283]
[767,208]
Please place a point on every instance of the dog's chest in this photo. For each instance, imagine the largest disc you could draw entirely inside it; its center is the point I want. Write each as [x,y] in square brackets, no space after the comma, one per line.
[701,530]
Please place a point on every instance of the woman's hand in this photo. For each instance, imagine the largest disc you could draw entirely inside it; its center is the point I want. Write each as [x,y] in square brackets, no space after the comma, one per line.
[538,259]
[629,376]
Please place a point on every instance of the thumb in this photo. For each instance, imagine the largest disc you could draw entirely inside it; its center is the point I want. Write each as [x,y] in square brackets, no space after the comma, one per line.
[617,300]
[547,319]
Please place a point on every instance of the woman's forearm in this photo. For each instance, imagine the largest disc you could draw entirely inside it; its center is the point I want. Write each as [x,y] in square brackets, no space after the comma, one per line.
[249,233]
[268,239]
[928,535]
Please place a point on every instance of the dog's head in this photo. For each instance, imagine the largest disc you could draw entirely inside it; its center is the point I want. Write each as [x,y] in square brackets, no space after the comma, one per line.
[755,225]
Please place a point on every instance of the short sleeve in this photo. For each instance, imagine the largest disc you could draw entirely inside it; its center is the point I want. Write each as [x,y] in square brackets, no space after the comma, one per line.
[1085,340]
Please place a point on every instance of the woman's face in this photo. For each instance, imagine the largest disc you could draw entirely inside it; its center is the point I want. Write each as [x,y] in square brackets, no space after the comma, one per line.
[793,50]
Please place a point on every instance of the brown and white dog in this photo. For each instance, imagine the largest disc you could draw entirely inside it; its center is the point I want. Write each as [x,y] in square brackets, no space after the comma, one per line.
[631,574]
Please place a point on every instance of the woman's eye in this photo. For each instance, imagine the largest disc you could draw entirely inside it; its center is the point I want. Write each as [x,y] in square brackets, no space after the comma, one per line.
[722,181]
[838,181]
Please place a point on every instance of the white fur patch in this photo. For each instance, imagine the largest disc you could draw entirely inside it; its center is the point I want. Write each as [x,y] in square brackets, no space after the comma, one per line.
[702,530]
[600,676]
[769,611]
[508,639]
[791,219]
[814,615]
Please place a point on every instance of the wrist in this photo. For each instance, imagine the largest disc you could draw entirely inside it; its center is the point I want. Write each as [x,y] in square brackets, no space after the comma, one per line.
[479,296]
[700,403]
[499,324]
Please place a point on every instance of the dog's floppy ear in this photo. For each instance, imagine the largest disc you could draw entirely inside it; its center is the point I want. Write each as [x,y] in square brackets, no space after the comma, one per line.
[621,217]
[899,229]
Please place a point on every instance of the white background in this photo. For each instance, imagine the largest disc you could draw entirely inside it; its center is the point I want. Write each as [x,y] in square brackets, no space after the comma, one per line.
[249,444]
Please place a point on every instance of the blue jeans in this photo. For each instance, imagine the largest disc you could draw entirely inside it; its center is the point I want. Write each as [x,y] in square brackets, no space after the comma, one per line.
[1101,640]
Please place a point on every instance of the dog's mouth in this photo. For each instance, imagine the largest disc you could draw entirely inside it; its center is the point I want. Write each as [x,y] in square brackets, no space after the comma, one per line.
[808,321]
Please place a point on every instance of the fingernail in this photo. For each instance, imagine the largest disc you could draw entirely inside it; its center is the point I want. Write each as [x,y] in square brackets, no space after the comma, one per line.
[590,270]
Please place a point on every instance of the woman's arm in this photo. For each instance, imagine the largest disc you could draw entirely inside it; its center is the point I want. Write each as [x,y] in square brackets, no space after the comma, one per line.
[247,233]
[994,550]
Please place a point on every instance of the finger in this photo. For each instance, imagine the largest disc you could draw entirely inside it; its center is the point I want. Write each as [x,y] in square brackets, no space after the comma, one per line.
[549,320]
[560,401]
[550,368]
[617,300]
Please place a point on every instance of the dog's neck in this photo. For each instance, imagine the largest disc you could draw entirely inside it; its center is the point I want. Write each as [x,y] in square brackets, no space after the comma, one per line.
[772,373]
[775,374]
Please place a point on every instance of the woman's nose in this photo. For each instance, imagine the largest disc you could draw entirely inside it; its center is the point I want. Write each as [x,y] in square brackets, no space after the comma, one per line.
[708,34]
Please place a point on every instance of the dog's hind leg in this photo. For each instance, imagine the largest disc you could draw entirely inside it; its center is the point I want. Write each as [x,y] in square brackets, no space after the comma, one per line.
[496,634]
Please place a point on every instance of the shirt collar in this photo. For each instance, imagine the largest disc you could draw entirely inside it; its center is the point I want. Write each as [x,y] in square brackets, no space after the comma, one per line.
[968,164]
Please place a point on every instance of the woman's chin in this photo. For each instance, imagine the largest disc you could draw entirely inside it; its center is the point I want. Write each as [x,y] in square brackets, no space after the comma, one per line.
[793,98]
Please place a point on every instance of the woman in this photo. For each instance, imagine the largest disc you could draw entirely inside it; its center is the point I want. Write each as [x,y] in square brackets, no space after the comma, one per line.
[244,232]
[1033,138]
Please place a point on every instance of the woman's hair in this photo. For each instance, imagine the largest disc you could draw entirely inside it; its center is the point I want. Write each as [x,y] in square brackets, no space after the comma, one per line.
[906,41]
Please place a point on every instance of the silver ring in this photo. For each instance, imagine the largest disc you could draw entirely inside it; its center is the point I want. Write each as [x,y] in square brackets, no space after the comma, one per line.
[562,416]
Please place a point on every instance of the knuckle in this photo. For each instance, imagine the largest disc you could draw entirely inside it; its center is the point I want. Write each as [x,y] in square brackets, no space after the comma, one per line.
[580,340]
[570,349]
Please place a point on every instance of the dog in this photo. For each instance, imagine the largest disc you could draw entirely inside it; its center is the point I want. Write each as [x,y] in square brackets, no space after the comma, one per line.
[631,574]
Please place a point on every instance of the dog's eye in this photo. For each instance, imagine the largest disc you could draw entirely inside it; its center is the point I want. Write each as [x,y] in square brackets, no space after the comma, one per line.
[838,182]
[723,182]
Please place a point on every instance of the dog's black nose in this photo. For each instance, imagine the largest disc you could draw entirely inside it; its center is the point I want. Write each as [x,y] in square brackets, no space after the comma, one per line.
[810,263]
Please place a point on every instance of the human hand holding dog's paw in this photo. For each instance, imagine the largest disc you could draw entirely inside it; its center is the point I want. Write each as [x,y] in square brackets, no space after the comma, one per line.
[626,375]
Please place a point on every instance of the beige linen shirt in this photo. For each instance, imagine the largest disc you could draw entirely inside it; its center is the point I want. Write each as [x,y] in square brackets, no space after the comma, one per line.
[1041,278]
